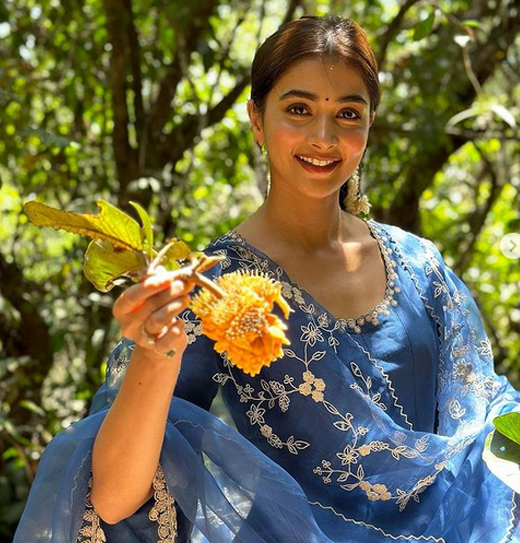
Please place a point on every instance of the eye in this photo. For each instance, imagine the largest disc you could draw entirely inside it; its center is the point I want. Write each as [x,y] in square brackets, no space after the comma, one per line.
[350,114]
[297,110]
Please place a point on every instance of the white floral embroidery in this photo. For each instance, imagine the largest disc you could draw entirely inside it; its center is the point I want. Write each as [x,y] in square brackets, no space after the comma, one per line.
[485,349]
[162,511]
[367,382]
[470,379]
[192,326]
[345,468]
[90,531]
[311,334]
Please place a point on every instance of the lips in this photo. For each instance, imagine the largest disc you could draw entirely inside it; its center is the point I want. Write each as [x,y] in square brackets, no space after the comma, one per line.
[318,165]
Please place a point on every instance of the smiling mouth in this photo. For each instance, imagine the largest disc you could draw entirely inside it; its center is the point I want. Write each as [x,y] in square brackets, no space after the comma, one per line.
[316,165]
[316,161]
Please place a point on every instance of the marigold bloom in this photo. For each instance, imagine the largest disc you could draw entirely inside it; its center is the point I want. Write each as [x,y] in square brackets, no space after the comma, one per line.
[241,322]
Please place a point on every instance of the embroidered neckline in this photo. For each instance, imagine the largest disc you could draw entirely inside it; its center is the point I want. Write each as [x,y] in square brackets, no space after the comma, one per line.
[372,316]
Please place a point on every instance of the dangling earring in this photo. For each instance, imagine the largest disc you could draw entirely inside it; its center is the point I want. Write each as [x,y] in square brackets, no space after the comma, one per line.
[355,202]
[262,147]
[262,170]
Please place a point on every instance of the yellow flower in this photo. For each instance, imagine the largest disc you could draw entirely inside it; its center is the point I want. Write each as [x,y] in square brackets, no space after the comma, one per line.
[241,322]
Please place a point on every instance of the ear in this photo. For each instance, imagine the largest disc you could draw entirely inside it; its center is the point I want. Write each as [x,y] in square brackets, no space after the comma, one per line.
[372,117]
[255,117]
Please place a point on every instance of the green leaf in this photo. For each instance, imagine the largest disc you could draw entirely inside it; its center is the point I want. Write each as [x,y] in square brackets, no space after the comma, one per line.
[147,227]
[11,429]
[502,457]
[110,224]
[509,426]
[178,250]
[472,23]
[31,406]
[169,256]
[106,267]
[424,28]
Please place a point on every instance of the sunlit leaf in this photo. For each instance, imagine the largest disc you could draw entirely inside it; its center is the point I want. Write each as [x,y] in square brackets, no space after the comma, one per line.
[472,23]
[509,426]
[147,228]
[502,457]
[178,250]
[105,267]
[110,224]
[31,406]
[424,28]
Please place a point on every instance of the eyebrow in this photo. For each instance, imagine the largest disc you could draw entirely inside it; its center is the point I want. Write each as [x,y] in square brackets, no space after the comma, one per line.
[314,97]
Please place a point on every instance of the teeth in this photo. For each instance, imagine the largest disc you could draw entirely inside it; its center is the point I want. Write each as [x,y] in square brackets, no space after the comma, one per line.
[315,161]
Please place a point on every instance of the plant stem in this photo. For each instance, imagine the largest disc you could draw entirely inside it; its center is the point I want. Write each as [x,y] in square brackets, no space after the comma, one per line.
[190,274]
[204,282]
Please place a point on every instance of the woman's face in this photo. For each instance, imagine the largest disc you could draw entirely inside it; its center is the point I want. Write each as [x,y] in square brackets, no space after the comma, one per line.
[315,127]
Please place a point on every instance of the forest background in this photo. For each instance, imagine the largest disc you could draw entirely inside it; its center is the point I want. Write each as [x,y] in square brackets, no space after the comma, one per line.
[145,100]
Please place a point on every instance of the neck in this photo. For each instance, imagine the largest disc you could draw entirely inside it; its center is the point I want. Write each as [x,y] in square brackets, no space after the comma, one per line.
[311,224]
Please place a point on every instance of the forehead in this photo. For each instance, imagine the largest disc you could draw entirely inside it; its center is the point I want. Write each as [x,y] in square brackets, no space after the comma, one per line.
[324,77]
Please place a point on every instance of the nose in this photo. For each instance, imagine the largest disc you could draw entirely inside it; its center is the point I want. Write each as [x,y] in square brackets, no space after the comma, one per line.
[323,135]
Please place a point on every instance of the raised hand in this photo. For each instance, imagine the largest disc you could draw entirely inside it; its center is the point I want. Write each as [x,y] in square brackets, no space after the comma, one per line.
[148,313]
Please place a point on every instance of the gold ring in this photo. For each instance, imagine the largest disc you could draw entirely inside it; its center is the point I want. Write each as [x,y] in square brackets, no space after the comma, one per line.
[147,336]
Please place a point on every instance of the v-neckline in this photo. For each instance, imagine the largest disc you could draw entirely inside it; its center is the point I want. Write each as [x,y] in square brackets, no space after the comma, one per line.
[353,323]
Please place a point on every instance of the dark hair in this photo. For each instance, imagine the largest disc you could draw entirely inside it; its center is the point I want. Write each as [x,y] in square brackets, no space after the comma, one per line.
[329,36]
[310,36]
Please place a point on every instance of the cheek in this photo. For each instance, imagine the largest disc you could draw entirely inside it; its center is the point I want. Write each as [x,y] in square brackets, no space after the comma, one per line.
[356,141]
[284,131]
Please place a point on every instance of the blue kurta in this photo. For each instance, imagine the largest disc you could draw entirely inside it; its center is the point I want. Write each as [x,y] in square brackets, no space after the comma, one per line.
[368,430]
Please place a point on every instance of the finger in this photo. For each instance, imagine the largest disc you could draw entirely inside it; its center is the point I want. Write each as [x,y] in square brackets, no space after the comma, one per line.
[137,325]
[136,296]
[174,338]
[157,329]
[133,297]
[155,323]
[176,292]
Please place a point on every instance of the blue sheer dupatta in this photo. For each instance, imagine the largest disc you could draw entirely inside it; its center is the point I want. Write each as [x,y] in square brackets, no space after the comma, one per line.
[213,474]
[232,491]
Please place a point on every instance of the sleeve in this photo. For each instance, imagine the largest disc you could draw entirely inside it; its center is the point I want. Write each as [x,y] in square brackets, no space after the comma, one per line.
[469,388]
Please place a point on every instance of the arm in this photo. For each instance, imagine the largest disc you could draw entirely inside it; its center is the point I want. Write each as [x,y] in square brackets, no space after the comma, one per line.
[127,448]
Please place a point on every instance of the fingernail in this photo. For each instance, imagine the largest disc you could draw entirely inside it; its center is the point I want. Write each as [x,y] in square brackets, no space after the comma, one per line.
[178,284]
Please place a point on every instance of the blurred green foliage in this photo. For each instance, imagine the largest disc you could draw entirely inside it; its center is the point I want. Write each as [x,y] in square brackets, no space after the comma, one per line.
[145,101]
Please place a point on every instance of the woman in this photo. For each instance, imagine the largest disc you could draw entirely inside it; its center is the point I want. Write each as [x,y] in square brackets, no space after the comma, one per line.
[371,428]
